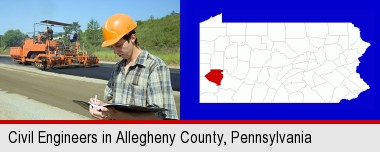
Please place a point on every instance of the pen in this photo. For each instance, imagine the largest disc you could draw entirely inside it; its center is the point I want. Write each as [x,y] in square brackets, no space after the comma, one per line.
[96,96]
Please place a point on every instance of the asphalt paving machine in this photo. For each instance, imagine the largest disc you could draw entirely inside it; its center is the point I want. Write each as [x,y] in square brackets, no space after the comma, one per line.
[45,52]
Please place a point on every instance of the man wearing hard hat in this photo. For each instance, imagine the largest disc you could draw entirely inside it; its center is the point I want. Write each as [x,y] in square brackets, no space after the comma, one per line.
[140,78]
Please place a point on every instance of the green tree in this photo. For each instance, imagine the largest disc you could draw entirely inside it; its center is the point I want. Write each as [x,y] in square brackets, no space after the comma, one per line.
[174,13]
[151,18]
[93,33]
[13,38]
[69,29]
[1,41]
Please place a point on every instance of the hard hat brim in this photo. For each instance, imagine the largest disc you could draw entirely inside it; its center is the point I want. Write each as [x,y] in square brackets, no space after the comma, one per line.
[111,42]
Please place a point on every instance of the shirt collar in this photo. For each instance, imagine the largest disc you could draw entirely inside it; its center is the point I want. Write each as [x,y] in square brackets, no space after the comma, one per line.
[141,59]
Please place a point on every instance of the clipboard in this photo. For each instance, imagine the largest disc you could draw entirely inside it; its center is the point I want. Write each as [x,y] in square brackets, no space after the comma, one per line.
[122,107]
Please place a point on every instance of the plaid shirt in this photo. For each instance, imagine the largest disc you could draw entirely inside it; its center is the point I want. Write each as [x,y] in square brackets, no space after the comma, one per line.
[147,82]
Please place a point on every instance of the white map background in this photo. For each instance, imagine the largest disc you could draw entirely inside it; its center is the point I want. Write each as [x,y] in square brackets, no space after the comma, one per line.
[280,62]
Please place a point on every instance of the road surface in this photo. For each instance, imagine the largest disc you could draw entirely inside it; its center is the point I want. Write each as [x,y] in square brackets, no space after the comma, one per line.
[29,93]
[103,71]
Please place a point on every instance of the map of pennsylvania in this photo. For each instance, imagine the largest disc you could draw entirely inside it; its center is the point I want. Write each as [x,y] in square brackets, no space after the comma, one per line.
[279,62]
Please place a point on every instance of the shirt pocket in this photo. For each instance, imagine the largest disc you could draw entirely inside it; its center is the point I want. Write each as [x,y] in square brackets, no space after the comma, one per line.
[137,95]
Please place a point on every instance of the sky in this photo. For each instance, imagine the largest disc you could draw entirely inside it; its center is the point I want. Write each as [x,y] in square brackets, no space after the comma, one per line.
[22,14]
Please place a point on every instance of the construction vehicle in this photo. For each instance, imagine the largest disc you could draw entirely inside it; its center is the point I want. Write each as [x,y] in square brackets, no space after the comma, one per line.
[45,52]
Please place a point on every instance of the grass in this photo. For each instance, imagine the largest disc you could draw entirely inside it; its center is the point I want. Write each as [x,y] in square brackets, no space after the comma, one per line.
[172,58]
[105,54]
[4,50]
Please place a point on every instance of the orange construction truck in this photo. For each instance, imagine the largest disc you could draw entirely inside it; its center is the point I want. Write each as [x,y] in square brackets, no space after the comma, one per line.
[44,52]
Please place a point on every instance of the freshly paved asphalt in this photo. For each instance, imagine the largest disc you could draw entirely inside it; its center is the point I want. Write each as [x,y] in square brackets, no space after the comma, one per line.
[103,71]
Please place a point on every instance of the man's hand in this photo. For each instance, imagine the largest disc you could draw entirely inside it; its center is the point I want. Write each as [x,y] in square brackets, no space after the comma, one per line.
[99,111]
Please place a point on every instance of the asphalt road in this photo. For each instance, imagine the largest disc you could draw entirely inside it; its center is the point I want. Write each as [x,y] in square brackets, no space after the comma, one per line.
[103,71]
[52,89]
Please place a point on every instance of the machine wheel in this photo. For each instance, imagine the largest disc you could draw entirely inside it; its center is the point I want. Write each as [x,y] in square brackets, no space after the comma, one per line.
[32,57]
[38,65]
[41,65]
[44,63]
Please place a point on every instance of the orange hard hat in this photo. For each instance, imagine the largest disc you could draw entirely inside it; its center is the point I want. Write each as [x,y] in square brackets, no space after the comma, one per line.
[116,27]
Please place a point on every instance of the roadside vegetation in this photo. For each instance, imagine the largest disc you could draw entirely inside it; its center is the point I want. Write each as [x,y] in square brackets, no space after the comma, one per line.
[160,36]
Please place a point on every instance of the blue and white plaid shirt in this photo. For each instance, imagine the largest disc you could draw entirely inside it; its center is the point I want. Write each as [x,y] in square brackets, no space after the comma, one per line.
[147,82]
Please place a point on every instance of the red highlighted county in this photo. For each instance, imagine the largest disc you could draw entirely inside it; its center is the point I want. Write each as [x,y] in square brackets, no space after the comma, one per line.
[215,75]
